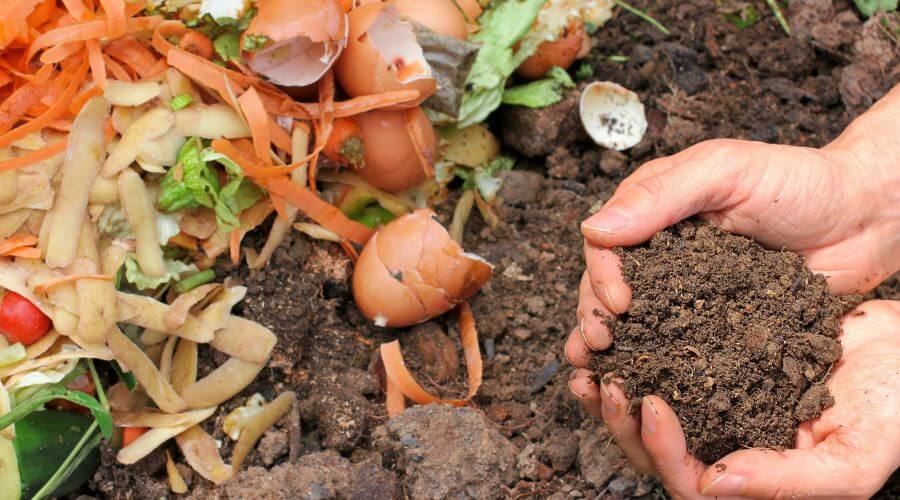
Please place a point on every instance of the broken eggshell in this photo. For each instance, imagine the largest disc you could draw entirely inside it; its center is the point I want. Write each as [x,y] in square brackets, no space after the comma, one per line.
[612,115]
[382,55]
[411,271]
[440,16]
[305,39]
[560,52]
[392,162]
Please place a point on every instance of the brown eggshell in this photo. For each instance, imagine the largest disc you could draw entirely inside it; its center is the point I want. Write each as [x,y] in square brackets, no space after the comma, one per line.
[440,16]
[561,52]
[412,271]
[471,8]
[306,39]
[363,70]
[391,161]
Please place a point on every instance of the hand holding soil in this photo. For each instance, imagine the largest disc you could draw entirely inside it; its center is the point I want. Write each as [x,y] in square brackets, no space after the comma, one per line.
[837,207]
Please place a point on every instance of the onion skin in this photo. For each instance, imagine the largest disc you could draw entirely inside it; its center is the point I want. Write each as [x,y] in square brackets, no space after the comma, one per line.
[391,162]
[411,271]
[440,16]
[361,69]
[561,52]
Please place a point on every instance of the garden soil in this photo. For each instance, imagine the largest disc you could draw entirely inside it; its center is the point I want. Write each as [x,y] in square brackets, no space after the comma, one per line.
[524,435]
[736,338]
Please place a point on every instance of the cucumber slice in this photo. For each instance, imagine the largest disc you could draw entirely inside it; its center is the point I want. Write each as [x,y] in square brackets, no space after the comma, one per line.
[10,488]
[43,441]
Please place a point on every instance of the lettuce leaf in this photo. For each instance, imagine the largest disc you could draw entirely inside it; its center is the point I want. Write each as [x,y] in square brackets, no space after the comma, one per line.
[540,93]
[502,26]
[174,270]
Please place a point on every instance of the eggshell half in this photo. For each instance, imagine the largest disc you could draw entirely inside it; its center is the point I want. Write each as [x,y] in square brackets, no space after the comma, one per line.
[561,52]
[612,115]
[440,16]
[382,54]
[412,271]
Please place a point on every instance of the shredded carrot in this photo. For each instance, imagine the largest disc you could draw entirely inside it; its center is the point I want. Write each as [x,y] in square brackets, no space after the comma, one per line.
[197,43]
[14,242]
[24,252]
[133,54]
[167,29]
[280,206]
[116,69]
[343,130]
[350,250]
[234,246]
[130,434]
[395,401]
[42,288]
[35,156]
[54,111]
[205,73]
[324,125]
[16,105]
[76,8]
[353,106]
[417,137]
[280,138]
[398,374]
[59,52]
[258,120]
[74,33]
[115,17]
[98,67]
[82,98]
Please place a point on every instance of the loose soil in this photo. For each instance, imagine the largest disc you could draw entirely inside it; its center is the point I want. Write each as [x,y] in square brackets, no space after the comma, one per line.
[709,79]
[736,338]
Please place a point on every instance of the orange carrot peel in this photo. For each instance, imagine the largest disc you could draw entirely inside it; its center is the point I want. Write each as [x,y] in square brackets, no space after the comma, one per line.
[399,379]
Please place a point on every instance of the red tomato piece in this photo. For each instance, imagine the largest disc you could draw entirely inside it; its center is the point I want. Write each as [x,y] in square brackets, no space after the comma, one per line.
[21,321]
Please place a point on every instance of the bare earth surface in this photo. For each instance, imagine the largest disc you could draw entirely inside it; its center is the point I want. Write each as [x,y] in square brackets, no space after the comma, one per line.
[524,435]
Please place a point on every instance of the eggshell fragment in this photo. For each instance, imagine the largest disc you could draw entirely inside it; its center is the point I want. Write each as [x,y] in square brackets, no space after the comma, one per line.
[612,115]
[411,271]
[306,38]
[440,16]
[561,52]
[382,55]
[391,160]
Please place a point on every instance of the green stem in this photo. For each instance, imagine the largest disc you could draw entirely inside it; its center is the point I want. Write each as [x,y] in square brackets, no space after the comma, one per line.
[71,462]
[773,4]
[195,280]
[101,394]
[643,15]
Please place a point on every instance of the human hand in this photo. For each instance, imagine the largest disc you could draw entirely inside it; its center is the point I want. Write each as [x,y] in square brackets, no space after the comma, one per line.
[848,452]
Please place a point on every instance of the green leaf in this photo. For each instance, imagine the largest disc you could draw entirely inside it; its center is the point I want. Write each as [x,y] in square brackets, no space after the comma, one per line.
[584,71]
[502,26]
[744,18]
[228,46]
[181,101]
[870,7]
[237,196]
[55,391]
[373,216]
[540,93]
[174,270]
[127,378]
[253,42]
[82,450]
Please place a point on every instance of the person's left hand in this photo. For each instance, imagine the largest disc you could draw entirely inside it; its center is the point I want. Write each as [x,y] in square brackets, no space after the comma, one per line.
[848,452]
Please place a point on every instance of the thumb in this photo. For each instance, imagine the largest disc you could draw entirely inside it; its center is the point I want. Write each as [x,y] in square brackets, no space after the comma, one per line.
[698,182]
[830,469]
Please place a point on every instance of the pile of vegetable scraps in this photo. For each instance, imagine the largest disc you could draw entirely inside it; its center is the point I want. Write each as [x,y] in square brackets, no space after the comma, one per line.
[140,141]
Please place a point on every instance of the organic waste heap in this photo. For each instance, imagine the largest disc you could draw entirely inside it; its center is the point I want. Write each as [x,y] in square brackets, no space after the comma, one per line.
[738,339]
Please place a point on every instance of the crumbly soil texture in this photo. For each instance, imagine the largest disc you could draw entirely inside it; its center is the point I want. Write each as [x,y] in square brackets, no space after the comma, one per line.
[524,436]
[738,339]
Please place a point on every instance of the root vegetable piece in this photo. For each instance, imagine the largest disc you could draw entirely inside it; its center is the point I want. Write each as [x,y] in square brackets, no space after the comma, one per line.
[392,159]
[382,54]
[412,271]
[561,52]
[305,39]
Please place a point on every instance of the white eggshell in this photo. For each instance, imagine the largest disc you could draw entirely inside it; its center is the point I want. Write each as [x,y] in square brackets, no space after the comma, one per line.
[612,115]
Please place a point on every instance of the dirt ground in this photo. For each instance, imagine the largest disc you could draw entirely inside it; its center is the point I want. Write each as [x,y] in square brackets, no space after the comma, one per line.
[524,435]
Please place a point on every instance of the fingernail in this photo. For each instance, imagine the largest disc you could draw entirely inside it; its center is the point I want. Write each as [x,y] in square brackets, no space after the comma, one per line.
[609,402]
[726,484]
[610,220]
[650,419]
[583,336]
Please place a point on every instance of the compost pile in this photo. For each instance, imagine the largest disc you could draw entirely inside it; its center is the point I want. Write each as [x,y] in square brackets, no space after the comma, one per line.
[737,338]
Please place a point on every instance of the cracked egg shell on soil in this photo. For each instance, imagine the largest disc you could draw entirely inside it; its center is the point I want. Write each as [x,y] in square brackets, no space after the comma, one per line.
[411,271]
[391,160]
[305,39]
[382,55]
[612,115]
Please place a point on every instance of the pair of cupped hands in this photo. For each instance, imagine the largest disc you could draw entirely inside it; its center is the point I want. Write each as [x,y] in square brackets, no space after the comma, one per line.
[838,206]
